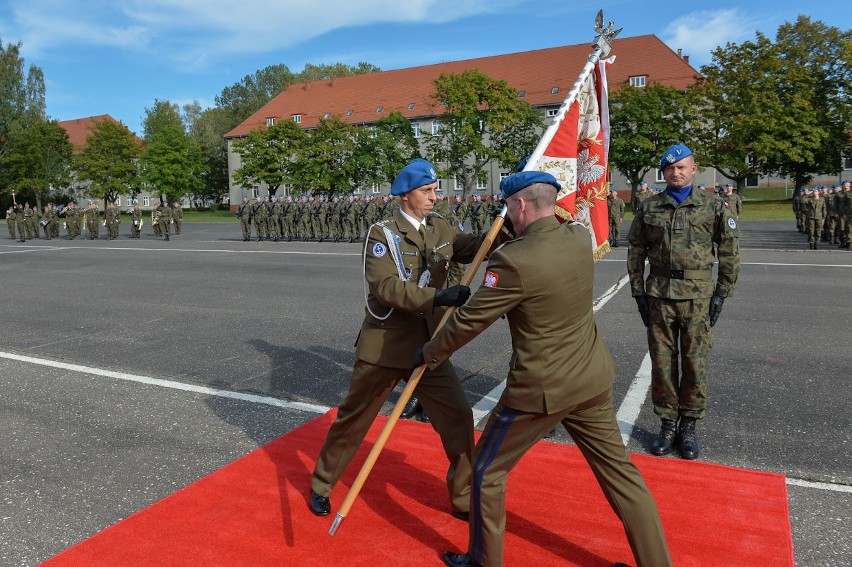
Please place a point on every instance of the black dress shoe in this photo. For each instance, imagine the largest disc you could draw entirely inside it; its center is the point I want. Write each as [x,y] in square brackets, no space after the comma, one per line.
[662,445]
[688,442]
[411,408]
[458,560]
[423,417]
[320,505]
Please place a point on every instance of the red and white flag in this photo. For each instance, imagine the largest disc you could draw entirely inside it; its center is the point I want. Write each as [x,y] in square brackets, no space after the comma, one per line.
[576,154]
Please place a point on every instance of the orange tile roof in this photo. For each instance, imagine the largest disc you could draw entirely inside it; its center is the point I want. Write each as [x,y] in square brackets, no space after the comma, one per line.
[535,72]
[79,129]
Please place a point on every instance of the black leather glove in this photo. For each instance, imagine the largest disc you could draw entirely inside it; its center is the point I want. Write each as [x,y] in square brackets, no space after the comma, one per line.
[644,308]
[419,360]
[452,296]
[716,303]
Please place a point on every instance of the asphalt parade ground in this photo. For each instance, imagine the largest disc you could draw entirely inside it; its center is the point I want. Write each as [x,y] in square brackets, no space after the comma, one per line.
[131,368]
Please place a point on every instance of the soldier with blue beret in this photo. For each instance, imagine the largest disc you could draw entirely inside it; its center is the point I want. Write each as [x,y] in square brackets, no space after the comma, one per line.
[681,232]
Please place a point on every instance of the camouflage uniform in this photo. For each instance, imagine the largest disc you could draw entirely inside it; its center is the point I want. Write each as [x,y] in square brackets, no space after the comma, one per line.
[845,211]
[814,216]
[10,221]
[92,224]
[616,215]
[260,214]
[681,244]
[177,217]
[274,224]
[136,222]
[72,221]
[243,213]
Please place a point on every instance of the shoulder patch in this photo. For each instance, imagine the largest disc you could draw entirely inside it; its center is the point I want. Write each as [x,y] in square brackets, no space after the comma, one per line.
[490,279]
[379,250]
[732,223]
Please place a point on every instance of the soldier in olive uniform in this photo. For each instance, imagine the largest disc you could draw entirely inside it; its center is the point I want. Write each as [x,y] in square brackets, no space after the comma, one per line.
[163,216]
[244,210]
[72,221]
[21,223]
[35,222]
[93,224]
[844,211]
[10,221]
[136,221]
[561,372]
[259,215]
[28,221]
[815,211]
[616,215]
[681,232]
[405,265]
[112,220]
[177,217]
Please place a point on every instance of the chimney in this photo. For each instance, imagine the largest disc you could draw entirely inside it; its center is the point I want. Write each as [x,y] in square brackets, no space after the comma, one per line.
[680,53]
[686,59]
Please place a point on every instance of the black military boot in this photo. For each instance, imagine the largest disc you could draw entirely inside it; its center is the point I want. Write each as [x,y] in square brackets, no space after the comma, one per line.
[688,442]
[816,246]
[662,445]
[412,407]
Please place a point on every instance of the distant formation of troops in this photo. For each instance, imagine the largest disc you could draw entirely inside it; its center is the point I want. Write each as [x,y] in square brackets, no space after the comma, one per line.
[824,214]
[27,223]
[345,219]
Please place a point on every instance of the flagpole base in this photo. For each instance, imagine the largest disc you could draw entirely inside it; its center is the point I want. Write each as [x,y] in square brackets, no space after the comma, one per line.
[335,523]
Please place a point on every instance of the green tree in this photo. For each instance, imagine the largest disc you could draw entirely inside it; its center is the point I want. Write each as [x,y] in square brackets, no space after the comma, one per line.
[479,110]
[270,154]
[643,123]
[813,86]
[37,159]
[382,150]
[109,161]
[244,98]
[172,163]
[325,165]
[207,129]
[324,72]
[740,118]
[21,94]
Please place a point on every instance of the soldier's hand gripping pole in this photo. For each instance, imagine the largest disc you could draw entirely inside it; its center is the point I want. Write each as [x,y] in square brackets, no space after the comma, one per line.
[469,274]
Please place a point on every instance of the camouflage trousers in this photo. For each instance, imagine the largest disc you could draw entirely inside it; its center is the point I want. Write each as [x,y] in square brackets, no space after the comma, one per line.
[245,226]
[614,231]
[679,341]
[813,228]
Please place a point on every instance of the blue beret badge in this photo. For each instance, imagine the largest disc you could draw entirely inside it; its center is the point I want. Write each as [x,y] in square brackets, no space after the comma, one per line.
[380,249]
[732,223]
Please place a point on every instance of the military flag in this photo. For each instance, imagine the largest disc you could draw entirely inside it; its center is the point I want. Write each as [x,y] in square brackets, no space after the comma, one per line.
[575,150]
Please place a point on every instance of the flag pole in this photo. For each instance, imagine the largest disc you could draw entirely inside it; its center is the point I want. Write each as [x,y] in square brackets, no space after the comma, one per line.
[367,467]
[601,46]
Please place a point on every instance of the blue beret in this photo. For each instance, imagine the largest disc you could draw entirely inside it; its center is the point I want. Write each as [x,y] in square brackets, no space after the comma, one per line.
[613,191]
[514,183]
[523,164]
[674,154]
[417,173]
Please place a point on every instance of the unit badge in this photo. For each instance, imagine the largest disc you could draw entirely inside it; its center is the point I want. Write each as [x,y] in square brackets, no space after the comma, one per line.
[379,250]
[732,223]
[490,279]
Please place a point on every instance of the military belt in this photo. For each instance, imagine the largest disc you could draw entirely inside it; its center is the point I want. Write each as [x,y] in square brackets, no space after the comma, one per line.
[681,274]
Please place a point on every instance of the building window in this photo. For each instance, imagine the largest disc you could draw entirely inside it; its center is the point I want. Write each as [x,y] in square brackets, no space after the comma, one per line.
[554,90]
[326,115]
[415,126]
[379,109]
[504,175]
[638,81]
[349,112]
[522,94]
[659,177]
[847,163]
[270,121]
[551,112]
[481,184]
[297,118]
[410,106]
[255,192]
[118,201]
[146,201]
[752,181]
[436,127]
[376,188]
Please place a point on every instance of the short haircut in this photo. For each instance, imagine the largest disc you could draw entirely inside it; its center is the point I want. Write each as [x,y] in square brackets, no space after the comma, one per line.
[540,196]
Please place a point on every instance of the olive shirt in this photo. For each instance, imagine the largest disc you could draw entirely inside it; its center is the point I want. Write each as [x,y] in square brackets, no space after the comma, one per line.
[679,243]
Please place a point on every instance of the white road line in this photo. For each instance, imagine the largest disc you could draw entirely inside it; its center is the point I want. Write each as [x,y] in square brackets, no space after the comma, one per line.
[628,411]
[296,252]
[32,249]
[266,400]
[819,485]
[796,265]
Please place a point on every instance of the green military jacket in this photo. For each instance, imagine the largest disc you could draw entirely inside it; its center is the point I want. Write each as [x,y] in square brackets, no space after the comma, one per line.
[815,208]
[543,283]
[681,244]
[400,314]
[616,208]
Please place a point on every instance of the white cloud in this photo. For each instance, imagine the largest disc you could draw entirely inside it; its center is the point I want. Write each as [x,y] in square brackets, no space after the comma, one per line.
[194,32]
[699,33]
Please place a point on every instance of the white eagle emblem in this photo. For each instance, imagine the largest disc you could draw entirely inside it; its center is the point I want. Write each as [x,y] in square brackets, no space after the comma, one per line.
[490,279]
[590,169]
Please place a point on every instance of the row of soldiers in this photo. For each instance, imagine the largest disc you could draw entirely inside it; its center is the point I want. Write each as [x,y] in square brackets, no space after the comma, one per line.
[26,223]
[726,192]
[824,214]
[338,218]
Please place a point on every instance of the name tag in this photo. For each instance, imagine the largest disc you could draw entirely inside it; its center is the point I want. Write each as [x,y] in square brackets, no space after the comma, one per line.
[409,253]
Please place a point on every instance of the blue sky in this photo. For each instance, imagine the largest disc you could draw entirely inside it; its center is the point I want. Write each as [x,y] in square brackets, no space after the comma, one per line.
[117,57]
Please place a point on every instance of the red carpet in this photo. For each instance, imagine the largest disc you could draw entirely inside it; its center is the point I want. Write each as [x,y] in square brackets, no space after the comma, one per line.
[254,512]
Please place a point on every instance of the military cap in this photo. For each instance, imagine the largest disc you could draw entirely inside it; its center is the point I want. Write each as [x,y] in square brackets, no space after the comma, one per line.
[674,154]
[514,183]
[417,173]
